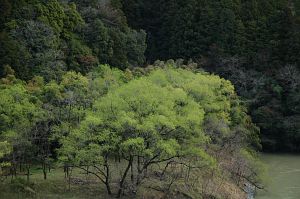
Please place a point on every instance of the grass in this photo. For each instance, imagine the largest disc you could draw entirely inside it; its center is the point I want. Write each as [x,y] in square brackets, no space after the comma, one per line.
[56,186]
[83,186]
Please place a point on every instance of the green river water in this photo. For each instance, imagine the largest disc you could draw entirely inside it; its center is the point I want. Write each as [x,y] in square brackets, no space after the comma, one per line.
[284,177]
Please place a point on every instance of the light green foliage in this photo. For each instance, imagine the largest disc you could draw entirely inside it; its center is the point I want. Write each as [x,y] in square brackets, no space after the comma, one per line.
[5,149]
[211,92]
[18,109]
[104,78]
[75,85]
[19,113]
[162,125]
[141,113]
[66,101]
[168,115]
[224,113]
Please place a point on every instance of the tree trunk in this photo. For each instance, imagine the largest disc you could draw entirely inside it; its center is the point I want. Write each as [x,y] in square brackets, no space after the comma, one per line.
[28,172]
[65,171]
[132,176]
[108,188]
[44,171]
[107,176]
[138,171]
[69,182]
[11,173]
[124,177]
[15,170]
[69,177]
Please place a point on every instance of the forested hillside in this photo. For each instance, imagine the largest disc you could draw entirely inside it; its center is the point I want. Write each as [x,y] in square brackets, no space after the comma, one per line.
[48,38]
[253,43]
[87,107]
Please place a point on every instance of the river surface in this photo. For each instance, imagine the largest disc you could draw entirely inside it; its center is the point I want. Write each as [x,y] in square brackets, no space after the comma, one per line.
[284,177]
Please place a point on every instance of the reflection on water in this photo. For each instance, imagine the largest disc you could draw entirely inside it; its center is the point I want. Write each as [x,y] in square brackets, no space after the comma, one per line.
[284,174]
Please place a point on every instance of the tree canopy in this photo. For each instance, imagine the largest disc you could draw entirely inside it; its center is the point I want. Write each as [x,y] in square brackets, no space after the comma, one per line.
[131,128]
[253,43]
